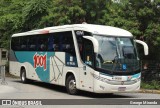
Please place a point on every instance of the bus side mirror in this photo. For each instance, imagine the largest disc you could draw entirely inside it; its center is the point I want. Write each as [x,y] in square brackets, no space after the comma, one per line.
[94,41]
[145,46]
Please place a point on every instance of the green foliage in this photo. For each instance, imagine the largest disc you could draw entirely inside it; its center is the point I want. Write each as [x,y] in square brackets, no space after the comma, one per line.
[152,85]
[67,12]
[95,9]
[33,13]
[140,17]
[10,20]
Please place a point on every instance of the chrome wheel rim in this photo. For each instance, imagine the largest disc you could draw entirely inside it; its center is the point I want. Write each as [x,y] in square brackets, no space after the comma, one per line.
[23,76]
[72,85]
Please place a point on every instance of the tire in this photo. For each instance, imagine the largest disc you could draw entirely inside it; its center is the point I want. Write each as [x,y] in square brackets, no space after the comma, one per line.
[23,76]
[71,85]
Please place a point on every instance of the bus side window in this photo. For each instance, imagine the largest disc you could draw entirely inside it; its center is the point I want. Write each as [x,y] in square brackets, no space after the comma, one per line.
[79,35]
[88,53]
[56,42]
[43,42]
[15,43]
[55,47]
[50,43]
[68,44]
[23,43]
[63,42]
[32,43]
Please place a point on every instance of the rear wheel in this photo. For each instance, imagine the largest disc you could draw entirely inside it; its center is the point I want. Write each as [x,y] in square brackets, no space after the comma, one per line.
[71,85]
[23,76]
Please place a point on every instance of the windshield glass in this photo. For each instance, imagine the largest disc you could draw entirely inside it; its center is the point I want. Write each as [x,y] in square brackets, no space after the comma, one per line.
[116,54]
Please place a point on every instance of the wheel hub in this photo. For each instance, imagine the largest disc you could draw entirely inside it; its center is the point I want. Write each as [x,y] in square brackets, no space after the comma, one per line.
[72,85]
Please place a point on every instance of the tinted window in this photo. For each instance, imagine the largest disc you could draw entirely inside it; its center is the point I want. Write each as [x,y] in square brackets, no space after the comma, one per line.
[15,43]
[23,43]
[61,41]
[88,53]
[32,43]
[42,43]
[50,43]
[80,40]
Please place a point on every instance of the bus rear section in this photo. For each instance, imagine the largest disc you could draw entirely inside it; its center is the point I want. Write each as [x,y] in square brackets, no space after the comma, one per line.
[44,57]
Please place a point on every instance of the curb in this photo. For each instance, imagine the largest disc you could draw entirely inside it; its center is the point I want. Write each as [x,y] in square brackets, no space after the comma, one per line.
[149,91]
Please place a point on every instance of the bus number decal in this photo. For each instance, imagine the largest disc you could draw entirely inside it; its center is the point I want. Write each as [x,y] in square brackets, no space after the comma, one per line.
[40,61]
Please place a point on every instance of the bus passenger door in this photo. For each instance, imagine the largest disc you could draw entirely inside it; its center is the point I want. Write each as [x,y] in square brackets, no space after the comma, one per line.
[87,55]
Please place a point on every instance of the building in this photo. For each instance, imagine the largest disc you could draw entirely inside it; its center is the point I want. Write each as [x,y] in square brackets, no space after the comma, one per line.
[3,56]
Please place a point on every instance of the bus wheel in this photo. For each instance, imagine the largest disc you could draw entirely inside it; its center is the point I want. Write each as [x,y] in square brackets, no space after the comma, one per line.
[23,76]
[71,85]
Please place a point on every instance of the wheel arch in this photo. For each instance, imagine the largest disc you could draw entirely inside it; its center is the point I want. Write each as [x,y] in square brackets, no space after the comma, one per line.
[69,81]
[68,74]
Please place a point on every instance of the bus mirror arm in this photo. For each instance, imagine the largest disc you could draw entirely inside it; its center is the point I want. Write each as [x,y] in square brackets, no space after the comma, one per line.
[94,41]
[144,45]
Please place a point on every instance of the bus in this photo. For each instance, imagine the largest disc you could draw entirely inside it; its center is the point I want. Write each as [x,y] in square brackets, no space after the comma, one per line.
[88,57]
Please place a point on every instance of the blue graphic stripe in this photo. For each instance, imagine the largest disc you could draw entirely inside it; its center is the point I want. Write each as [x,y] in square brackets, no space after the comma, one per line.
[43,74]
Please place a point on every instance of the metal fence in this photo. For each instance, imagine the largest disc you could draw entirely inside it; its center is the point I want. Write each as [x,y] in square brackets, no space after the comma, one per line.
[150,71]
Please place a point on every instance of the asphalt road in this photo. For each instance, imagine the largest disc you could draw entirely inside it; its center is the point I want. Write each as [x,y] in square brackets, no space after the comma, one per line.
[38,90]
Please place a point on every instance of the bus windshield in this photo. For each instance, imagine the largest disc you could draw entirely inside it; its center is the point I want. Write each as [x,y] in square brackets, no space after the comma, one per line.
[116,54]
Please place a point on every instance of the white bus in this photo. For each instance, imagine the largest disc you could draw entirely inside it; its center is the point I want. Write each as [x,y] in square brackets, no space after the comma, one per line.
[94,58]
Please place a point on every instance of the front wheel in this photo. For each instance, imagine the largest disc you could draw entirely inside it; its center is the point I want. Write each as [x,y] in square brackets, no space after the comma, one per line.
[23,76]
[71,85]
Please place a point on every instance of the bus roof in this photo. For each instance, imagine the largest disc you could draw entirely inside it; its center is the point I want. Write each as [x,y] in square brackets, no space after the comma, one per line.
[94,29]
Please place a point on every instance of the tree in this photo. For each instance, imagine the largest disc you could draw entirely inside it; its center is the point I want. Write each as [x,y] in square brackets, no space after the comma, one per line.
[140,17]
[94,9]
[147,13]
[10,19]
[33,13]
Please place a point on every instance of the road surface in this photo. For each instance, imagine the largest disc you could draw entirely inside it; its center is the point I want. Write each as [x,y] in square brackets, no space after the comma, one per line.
[38,90]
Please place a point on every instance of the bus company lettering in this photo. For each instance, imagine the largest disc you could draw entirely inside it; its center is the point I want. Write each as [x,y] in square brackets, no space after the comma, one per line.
[40,61]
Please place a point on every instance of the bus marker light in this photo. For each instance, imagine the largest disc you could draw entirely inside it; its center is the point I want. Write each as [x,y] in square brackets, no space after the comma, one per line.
[44,32]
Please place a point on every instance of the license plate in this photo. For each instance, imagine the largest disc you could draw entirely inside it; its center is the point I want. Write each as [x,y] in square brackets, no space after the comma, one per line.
[118,78]
[121,88]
